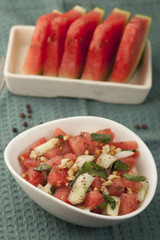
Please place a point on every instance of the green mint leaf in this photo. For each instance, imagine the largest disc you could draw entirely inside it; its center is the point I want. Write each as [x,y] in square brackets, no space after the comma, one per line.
[118,165]
[81,171]
[102,206]
[60,137]
[52,189]
[90,168]
[94,169]
[102,138]
[134,178]
[132,150]
[110,200]
[42,167]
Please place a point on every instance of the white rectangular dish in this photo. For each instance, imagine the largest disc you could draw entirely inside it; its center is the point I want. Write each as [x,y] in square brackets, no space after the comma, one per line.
[134,92]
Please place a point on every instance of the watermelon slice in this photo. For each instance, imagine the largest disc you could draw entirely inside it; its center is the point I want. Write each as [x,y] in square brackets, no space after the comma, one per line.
[104,46]
[131,48]
[77,42]
[35,56]
[56,39]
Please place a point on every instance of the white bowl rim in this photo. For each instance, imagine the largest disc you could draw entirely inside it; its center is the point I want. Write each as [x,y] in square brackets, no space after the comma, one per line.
[94,215]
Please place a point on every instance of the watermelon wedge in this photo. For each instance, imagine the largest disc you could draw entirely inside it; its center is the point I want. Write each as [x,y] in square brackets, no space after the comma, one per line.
[104,46]
[131,48]
[77,42]
[35,56]
[56,39]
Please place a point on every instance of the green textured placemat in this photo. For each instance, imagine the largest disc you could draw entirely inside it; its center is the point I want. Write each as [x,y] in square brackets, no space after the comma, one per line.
[20,217]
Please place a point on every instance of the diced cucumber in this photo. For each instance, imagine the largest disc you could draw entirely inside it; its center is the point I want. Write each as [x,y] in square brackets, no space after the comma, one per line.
[143,191]
[41,149]
[123,154]
[105,160]
[109,211]
[80,188]
[83,159]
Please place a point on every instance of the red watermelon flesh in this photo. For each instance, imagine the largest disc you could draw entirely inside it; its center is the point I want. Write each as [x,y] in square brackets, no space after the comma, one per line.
[104,45]
[35,56]
[56,39]
[77,42]
[131,48]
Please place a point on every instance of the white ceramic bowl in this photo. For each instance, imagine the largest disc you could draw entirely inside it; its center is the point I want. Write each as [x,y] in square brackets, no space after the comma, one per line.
[146,166]
[134,92]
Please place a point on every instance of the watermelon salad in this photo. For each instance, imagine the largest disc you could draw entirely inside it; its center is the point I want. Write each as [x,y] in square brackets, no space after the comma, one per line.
[90,171]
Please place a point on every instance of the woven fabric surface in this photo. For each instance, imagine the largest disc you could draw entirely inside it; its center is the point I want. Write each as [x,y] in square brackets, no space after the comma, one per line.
[20,217]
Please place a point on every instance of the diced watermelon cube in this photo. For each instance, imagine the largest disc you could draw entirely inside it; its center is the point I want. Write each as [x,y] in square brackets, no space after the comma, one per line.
[130,161]
[94,199]
[117,188]
[54,162]
[82,142]
[65,148]
[59,131]
[97,183]
[128,203]
[126,145]
[71,156]
[29,163]
[134,186]
[57,177]
[53,152]
[35,177]
[107,131]
[62,194]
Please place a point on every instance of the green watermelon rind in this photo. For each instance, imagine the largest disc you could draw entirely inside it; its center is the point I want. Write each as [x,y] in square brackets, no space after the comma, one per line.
[80,9]
[118,11]
[142,47]
[124,12]
[101,10]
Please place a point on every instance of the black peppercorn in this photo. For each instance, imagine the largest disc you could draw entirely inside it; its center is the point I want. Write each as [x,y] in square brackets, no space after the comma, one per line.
[27,105]
[144,126]
[29,110]
[137,126]
[14,129]
[22,115]
[25,124]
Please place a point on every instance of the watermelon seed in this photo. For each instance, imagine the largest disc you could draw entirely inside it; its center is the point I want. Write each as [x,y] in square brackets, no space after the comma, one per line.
[101,44]
[69,40]
[81,39]
[54,38]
